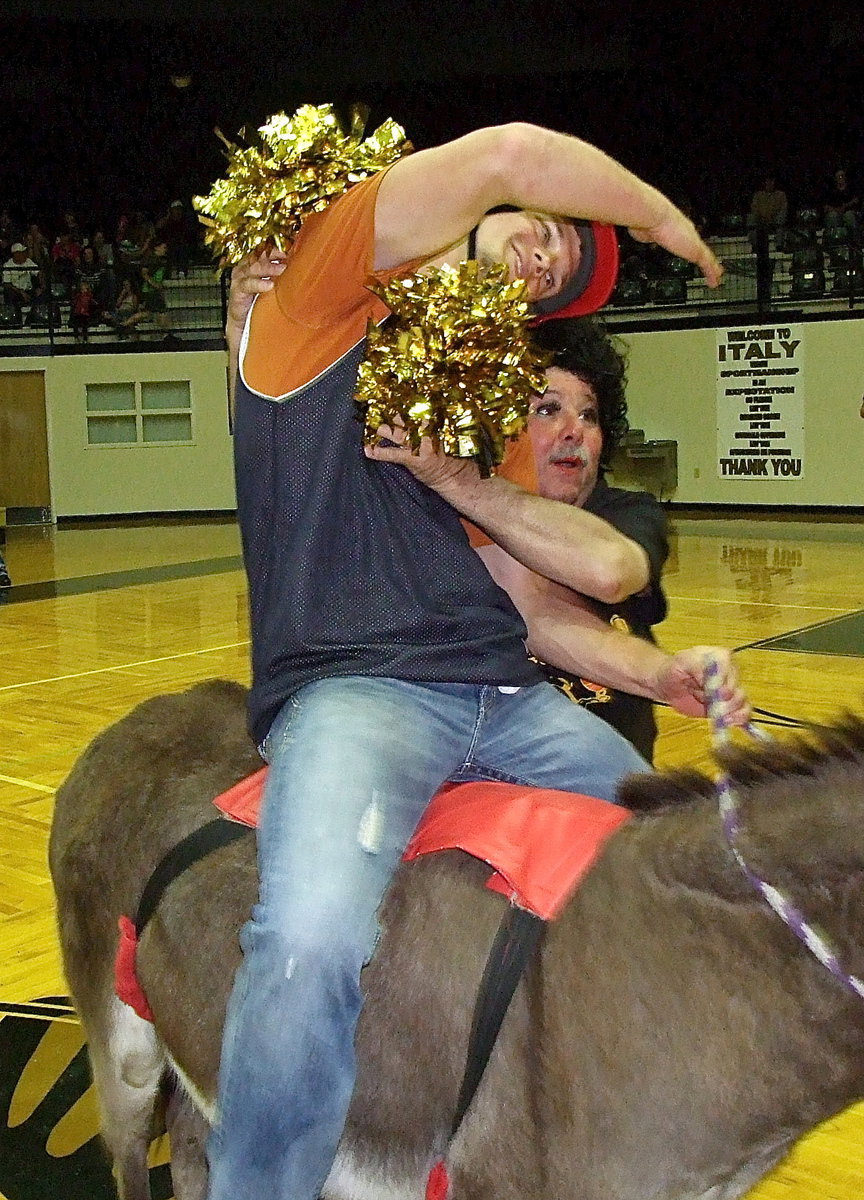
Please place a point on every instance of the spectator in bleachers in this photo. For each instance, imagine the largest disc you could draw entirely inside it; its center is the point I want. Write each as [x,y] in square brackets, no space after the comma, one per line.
[66,256]
[71,226]
[142,233]
[153,272]
[842,201]
[106,286]
[103,250]
[37,245]
[128,251]
[121,234]
[19,275]
[84,311]
[173,229]
[89,268]
[123,316]
[769,210]
[43,310]
[91,275]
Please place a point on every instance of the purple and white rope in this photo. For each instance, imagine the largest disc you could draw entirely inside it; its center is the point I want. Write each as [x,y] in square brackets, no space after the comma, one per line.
[730,814]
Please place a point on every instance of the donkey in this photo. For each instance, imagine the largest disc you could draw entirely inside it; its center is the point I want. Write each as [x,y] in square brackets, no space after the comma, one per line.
[671,1039]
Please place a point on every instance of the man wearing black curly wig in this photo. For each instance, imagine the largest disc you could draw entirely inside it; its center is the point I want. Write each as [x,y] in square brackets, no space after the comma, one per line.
[575,428]
[579,620]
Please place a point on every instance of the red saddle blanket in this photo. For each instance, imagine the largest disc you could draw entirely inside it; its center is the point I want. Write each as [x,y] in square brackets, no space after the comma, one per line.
[538,842]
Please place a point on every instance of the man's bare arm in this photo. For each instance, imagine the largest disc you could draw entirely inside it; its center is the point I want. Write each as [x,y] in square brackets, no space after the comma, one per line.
[631,664]
[566,632]
[430,200]
[559,541]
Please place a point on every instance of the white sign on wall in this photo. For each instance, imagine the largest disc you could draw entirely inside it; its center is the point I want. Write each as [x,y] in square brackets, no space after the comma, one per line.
[760,403]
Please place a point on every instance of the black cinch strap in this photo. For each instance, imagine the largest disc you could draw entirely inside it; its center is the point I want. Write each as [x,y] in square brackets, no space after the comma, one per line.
[514,944]
[511,951]
[198,844]
[472,244]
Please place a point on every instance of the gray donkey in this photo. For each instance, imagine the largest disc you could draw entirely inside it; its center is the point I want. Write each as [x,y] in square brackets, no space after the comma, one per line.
[671,1039]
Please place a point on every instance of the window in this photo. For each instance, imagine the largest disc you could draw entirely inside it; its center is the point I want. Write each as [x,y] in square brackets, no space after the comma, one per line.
[153,412]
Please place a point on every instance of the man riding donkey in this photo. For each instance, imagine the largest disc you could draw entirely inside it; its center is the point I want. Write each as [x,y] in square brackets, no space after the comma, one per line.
[385,659]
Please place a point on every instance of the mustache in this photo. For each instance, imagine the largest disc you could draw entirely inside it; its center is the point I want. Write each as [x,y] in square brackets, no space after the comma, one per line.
[577,454]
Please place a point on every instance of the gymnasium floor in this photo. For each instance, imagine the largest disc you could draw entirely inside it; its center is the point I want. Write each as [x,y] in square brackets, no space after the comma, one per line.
[100,618]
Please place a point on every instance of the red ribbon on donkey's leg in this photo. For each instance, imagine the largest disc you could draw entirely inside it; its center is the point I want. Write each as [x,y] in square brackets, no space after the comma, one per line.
[438,1183]
[126,983]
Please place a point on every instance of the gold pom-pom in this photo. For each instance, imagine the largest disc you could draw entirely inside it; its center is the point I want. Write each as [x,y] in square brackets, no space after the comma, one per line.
[299,166]
[455,364]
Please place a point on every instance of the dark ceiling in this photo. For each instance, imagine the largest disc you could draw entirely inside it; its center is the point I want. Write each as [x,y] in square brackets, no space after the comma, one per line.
[700,102]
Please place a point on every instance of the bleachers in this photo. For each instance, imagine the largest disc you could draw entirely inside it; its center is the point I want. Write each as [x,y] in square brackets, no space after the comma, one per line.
[194,315]
[666,289]
[840,272]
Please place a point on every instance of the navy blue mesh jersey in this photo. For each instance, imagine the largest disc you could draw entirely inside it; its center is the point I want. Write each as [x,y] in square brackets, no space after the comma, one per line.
[355,568]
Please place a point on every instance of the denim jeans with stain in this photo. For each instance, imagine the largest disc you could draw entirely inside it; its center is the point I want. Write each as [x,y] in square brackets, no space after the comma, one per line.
[353,763]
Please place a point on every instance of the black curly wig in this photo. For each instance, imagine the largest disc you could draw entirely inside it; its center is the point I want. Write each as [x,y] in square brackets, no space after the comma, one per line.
[584,347]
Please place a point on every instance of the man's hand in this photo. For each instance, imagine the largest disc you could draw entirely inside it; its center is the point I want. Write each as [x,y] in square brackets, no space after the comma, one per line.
[678,234]
[681,684]
[444,473]
[252,276]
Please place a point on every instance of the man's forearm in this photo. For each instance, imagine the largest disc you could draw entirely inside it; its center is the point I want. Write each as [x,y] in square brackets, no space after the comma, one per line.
[556,540]
[581,644]
[430,200]
[566,631]
[558,173]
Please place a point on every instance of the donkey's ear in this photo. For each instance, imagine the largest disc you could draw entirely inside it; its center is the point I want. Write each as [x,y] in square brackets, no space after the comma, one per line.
[646,792]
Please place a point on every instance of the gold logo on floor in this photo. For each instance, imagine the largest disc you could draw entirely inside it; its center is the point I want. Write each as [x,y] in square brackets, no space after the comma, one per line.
[49,1144]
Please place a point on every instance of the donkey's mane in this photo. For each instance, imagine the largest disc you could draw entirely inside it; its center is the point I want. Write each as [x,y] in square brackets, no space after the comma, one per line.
[809,753]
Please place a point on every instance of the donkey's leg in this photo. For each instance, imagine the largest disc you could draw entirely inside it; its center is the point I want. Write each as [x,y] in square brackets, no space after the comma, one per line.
[128,1063]
[188,1129]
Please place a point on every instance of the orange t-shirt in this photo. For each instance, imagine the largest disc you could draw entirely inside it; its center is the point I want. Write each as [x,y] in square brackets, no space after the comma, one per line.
[316,313]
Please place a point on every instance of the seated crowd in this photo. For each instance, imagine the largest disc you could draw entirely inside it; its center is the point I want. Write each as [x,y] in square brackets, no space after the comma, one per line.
[805,245]
[837,206]
[115,279]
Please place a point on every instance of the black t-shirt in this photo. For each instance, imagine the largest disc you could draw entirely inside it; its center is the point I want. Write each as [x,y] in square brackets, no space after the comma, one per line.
[639,516]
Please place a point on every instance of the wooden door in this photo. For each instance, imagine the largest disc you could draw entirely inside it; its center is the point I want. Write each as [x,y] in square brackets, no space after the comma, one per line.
[24,478]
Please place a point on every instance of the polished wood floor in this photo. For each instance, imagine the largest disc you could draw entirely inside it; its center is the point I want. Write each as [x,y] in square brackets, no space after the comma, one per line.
[73,662]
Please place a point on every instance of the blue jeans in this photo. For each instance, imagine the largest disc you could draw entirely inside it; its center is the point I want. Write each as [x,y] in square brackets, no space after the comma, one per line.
[353,764]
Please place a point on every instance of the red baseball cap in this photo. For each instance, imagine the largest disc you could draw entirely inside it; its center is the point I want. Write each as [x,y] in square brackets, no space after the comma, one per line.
[592,282]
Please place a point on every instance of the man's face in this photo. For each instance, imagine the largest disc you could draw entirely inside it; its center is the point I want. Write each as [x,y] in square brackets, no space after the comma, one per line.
[564,426]
[542,250]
